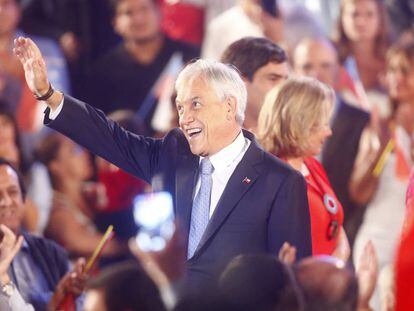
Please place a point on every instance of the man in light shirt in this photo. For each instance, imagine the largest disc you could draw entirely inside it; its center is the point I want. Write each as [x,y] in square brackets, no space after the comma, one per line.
[230,196]
[317,58]
[34,272]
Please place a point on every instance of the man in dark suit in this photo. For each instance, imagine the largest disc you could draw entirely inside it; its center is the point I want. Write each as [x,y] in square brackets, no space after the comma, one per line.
[318,58]
[230,196]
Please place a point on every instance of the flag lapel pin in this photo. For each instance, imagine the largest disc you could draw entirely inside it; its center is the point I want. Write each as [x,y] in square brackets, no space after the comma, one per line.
[247,180]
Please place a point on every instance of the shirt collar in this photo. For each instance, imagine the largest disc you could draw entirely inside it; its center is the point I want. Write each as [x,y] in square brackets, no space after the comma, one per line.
[25,245]
[228,154]
[337,104]
[25,249]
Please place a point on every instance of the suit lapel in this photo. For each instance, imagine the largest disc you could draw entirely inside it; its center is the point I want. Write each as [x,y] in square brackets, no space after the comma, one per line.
[242,179]
[185,179]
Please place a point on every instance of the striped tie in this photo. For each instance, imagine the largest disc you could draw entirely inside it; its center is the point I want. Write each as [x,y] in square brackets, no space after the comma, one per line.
[201,207]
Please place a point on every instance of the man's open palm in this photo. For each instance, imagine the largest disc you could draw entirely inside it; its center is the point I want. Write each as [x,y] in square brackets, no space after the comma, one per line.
[33,64]
[9,247]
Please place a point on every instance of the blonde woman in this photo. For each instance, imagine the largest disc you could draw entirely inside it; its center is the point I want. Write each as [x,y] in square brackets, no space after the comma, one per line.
[293,125]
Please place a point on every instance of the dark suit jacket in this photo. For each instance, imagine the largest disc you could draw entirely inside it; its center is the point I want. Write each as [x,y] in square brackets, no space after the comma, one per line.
[51,259]
[251,217]
[338,156]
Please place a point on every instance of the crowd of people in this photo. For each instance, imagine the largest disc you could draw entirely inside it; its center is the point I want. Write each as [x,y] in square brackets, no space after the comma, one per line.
[287,148]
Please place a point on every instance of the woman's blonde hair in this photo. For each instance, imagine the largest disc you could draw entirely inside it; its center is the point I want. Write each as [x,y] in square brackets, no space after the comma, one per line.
[290,111]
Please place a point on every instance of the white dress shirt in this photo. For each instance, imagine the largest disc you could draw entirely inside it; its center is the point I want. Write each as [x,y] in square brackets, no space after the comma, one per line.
[224,163]
[53,114]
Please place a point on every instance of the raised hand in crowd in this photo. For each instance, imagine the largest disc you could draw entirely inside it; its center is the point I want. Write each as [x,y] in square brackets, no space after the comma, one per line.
[287,253]
[380,128]
[374,140]
[342,250]
[386,284]
[165,266]
[9,247]
[35,70]
[72,283]
[367,275]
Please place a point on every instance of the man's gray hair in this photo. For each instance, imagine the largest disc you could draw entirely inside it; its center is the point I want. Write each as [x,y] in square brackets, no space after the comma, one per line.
[224,79]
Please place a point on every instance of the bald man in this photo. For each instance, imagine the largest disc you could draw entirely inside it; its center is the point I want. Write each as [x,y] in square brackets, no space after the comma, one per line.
[318,58]
[327,284]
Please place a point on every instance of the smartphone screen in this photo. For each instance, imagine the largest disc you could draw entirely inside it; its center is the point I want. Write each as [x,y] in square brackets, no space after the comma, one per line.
[154,215]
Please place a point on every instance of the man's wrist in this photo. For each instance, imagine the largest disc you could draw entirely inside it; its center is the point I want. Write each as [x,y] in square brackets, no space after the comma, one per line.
[42,90]
[54,102]
[45,95]
[4,279]
[7,287]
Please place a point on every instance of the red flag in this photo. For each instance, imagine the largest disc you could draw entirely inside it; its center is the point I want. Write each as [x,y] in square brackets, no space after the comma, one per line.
[404,266]
[68,303]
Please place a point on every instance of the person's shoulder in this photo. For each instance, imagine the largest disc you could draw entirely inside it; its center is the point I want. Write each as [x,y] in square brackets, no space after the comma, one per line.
[111,59]
[48,254]
[189,50]
[280,166]
[345,107]
[313,164]
[226,18]
[174,132]
[175,138]
[266,161]
[115,52]
[45,245]
[272,165]
[316,168]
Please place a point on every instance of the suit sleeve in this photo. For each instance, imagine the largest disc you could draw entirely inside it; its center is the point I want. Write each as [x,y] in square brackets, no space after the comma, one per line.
[290,218]
[90,128]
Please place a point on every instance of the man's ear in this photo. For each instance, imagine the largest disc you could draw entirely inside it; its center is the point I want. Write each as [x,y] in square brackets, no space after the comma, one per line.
[231,106]
[53,167]
[245,80]
[115,26]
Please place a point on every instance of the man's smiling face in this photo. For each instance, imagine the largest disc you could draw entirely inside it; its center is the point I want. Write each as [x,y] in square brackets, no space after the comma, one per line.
[207,121]
[11,199]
